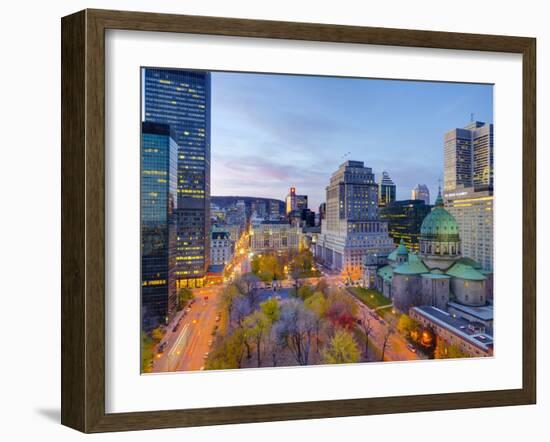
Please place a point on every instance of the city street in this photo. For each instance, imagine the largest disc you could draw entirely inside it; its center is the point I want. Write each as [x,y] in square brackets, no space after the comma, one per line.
[186,347]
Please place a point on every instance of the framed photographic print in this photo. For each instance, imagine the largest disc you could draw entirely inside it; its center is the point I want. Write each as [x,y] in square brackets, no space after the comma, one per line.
[269,220]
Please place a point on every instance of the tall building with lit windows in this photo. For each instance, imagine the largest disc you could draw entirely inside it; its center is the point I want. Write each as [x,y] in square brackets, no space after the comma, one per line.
[158,230]
[468,155]
[352,228]
[386,190]
[181,99]
[468,174]
[421,192]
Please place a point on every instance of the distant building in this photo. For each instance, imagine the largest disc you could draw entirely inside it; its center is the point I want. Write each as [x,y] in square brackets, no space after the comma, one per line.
[158,230]
[352,228]
[468,158]
[294,202]
[404,220]
[181,98]
[322,212]
[274,210]
[386,190]
[302,218]
[268,236]
[234,230]
[473,211]
[222,248]
[422,193]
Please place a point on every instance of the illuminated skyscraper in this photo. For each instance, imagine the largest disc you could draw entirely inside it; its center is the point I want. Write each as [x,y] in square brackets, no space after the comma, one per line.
[181,99]
[386,190]
[295,202]
[158,231]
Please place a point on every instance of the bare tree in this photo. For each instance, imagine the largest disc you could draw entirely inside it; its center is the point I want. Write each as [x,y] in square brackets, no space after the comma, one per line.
[389,332]
[366,328]
[295,328]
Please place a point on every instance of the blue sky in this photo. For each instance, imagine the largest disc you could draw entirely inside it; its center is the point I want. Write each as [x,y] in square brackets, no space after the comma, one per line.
[271,132]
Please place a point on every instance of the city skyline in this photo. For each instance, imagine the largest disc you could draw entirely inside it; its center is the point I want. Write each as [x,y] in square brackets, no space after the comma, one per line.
[319,122]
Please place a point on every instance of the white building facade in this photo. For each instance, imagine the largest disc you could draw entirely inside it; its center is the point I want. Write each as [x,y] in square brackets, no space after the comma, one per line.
[351,228]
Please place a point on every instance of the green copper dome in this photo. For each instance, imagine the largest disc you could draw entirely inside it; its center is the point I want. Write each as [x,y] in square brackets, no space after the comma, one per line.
[439,222]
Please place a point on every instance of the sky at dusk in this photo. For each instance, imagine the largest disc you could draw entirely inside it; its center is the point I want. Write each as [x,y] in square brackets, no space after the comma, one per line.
[271,132]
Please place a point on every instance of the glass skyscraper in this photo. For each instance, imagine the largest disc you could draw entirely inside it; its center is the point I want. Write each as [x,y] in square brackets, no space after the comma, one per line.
[158,230]
[386,190]
[181,99]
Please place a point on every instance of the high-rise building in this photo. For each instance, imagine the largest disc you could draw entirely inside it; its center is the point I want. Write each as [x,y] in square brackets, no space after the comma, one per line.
[421,192]
[295,202]
[386,190]
[322,212]
[469,157]
[404,220]
[352,228]
[469,188]
[181,99]
[473,211]
[158,231]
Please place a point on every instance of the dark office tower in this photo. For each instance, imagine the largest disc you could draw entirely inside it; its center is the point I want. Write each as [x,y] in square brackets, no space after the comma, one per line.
[158,230]
[404,220]
[181,99]
[386,190]
[322,211]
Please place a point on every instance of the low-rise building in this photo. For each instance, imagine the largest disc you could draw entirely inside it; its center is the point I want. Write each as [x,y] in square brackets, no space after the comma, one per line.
[221,248]
[274,235]
[473,338]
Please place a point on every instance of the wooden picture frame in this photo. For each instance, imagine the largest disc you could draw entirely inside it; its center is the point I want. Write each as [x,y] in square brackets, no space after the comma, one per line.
[83,219]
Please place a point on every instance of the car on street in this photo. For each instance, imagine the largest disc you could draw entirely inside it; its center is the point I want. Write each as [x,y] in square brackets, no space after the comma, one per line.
[411,348]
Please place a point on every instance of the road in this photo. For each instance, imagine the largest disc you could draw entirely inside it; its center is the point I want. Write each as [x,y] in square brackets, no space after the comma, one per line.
[186,346]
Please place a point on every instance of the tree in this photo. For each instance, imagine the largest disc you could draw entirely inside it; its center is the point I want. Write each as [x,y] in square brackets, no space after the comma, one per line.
[147,353]
[228,297]
[271,309]
[295,328]
[341,310]
[256,325]
[228,353]
[317,303]
[322,286]
[444,350]
[305,292]
[387,335]
[406,325]
[342,349]
[157,334]
[250,280]
[365,326]
[184,296]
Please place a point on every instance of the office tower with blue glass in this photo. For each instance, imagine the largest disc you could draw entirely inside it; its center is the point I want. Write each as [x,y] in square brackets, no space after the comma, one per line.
[181,99]
[158,230]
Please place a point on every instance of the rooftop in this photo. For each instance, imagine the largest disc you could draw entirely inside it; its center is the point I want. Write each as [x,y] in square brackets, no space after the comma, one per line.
[484,313]
[473,332]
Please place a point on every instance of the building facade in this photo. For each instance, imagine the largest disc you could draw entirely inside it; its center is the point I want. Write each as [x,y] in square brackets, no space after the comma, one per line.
[158,230]
[404,220]
[422,193]
[294,202]
[266,236]
[468,158]
[222,248]
[351,228]
[473,211]
[386,190]
[181,99]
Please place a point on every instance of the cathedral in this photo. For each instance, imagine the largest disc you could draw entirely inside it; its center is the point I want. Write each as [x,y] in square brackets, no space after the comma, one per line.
[437,276]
